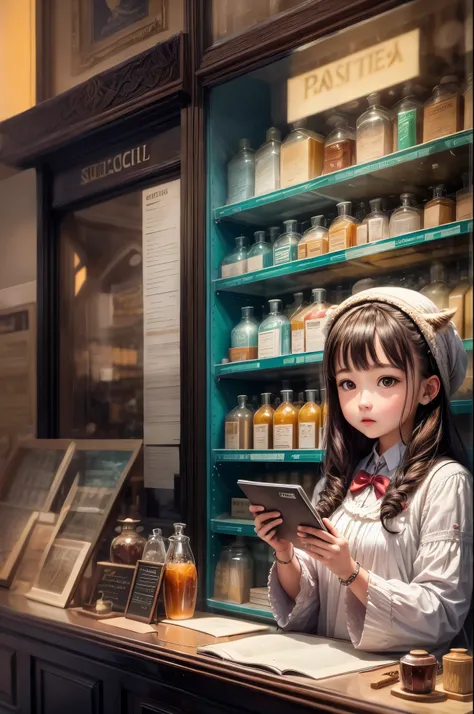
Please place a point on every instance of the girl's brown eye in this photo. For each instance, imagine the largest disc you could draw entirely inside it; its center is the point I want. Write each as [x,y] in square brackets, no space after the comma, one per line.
[388,381]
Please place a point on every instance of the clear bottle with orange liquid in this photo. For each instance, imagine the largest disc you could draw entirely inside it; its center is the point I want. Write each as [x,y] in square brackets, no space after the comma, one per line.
[180,589]
[263,424]
[285,423]
[309,422]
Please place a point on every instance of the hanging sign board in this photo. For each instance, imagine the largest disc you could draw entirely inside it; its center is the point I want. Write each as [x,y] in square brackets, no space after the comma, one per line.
[370,70]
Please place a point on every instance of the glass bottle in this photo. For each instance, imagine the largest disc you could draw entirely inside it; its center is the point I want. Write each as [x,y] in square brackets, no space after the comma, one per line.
[241,174]
[127,547]
[221,574]
[464,199]
[456,301]
[315,240]
[267,163]
[260,254]
[238,426]
[155,549]
[375,224]
[309,422]
[180,589]
[285,423]
[235,263]
[294,307]
[300,401]
[374,131]
[274,333]
[273,233]
[315,320]
[408,120]
[437,290]
[442,111]
[439,210]
[263,424]
[240,572]
[406,218]
[302,155]
[360,211]
[340,145]
[342,231]
[468,103]
[324,417]
[244,337]
[285,248]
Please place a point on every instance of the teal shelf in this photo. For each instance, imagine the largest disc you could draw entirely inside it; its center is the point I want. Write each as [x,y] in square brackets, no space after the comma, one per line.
[233,526]
[253,368]
[278,279]
[245,610]
[461,406]
[402,171]
[305,456]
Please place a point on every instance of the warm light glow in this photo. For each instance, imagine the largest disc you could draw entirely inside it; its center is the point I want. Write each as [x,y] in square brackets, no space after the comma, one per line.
[79,280]
[77,260]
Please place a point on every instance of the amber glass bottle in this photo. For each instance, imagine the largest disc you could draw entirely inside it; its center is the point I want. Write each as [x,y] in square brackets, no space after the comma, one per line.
[263,424]
[285,423]
[309,422]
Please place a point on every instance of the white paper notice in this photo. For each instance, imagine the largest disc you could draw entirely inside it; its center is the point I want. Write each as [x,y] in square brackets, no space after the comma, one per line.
[161,302]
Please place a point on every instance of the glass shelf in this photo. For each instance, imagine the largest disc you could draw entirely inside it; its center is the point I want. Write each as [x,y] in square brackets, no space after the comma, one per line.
[291,456]
[362,261]
[233,526]
[406,170]
[297,364]
[244,610]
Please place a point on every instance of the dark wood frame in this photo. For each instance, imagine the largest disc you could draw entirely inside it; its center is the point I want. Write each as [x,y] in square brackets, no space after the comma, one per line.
[150,617]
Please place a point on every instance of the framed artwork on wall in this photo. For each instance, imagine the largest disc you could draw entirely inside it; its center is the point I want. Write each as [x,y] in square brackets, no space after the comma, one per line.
[103,27]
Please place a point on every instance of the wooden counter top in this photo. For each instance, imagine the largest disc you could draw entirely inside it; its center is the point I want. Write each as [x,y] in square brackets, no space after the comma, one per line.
[175,646]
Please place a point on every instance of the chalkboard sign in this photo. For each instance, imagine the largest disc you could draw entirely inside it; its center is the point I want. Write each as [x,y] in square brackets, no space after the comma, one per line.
[145,589]
[114,581]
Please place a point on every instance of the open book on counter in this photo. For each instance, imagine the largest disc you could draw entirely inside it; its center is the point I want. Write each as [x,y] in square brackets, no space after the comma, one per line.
[296,654]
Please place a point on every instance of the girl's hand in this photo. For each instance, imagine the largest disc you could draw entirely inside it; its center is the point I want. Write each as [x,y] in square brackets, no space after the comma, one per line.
[265,528]
[331,548]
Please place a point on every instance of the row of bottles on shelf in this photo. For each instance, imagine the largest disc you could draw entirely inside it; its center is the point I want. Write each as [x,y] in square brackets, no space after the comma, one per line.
[305,154]
[286,425]
[346,231]
[301,328]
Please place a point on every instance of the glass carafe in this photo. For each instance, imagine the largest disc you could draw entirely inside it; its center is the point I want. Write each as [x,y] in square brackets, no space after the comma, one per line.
[180,577]
[155,549]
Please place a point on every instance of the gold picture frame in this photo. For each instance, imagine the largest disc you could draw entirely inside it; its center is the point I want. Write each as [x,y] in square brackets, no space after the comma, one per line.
[95,38]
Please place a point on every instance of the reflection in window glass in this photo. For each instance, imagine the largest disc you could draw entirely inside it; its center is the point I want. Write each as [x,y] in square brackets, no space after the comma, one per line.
[230,17]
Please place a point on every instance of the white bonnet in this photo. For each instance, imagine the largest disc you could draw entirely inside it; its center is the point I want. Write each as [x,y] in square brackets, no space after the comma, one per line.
[445,344]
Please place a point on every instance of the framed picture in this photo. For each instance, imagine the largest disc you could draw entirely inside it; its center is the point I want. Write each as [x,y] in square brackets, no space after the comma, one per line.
[102,28]
[28,567]
[16,526]
[100,468]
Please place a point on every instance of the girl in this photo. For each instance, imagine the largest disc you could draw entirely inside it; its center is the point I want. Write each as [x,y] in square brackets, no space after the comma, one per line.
[394,570]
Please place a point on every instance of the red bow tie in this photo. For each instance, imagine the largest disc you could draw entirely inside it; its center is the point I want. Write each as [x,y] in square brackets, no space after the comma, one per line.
[363,479]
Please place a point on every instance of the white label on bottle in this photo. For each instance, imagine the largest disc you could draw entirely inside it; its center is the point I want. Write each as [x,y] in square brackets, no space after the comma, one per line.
[283,436]
[297,341]
[314,334]
[232,435]
[307,435]
[230,270]
[283,255]
[400,226]
[254,263]
[362,234]
[376,229]
[260,436]
[374,144]
[269,344]
[267,173]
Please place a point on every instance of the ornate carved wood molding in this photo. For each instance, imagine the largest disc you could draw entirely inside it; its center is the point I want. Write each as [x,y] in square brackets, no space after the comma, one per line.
[154,77]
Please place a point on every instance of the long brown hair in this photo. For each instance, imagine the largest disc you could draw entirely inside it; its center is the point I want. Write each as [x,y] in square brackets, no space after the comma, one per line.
[351,341]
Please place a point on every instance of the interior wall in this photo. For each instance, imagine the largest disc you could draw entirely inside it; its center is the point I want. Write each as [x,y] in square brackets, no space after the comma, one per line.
[17,57]
[18,230]
[62,75]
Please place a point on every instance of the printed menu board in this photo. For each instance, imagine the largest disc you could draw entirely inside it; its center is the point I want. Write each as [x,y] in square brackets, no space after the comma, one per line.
[145,589]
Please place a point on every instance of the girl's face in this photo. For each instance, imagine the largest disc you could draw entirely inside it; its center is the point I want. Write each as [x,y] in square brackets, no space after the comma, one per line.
[382,399]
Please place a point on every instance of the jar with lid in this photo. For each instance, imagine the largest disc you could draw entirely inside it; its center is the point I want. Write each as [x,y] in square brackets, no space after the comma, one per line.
[418,671]
[442,111]
[155,549]
[180,589]
[235,263]
[374,131]
[406,218]
[407,120]
[457,671]
[340,145]
[240,572]
[315,240]
[375,224]
[439,210]
[302,155]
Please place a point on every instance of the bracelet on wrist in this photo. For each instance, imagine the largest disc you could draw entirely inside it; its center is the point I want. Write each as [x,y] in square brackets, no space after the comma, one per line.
[352,577]
[283,562]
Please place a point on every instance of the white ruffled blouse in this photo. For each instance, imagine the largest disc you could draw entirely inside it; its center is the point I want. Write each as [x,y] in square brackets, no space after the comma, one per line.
[420,580]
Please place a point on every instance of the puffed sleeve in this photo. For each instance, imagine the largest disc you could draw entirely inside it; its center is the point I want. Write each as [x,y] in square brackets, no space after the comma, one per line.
[430,610]
[302,614]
